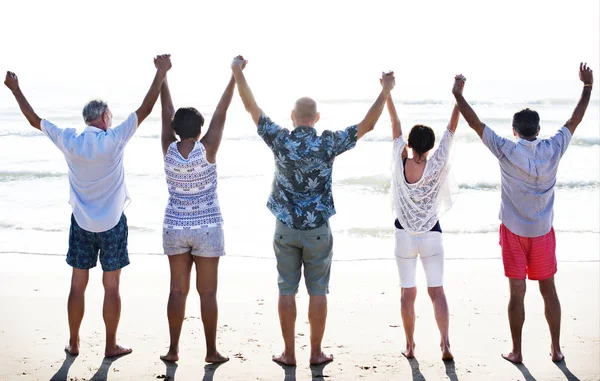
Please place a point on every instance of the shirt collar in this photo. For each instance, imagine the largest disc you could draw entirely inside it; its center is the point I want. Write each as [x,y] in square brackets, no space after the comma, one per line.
[531,143]
[304,129]
[93,129]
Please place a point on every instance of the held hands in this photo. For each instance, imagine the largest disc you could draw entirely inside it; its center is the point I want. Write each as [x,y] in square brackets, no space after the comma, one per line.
[388,81]
[585,74]
[162,62]
[239,62]
[11,81]
[459,84]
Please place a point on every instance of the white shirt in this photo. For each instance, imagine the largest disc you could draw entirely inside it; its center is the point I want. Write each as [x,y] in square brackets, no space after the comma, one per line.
[192,182]
[528,171]
[96,174]
[420,205]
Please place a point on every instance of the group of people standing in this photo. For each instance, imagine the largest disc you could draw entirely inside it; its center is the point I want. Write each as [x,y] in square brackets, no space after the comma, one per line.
[302,202]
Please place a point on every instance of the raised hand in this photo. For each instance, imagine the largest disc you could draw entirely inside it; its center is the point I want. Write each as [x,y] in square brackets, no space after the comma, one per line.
[388,81]
[11,81]
[239,61]
[459,84]
[163,62]
[585,74]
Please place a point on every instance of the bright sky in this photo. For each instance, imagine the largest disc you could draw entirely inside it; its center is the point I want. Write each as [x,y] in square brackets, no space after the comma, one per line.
[322,48]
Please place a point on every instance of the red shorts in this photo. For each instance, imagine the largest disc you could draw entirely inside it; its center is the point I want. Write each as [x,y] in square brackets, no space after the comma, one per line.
[522,257]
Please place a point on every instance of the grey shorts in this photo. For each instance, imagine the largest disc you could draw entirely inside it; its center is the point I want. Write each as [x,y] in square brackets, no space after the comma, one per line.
[207,242]
[311,248]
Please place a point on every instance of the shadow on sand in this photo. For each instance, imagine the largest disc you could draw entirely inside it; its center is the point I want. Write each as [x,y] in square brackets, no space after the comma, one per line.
[209,371]
[451,370]
[416,372]
[563,368]
[523,369]
[63,372]
[317,371]
[289,372]
[102,372]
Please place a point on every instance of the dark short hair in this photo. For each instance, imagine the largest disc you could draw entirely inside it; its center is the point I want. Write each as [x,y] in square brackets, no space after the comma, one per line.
[421,139]
[526,123]
[187,122]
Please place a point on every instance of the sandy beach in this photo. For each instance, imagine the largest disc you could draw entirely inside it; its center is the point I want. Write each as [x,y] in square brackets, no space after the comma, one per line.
[364,327]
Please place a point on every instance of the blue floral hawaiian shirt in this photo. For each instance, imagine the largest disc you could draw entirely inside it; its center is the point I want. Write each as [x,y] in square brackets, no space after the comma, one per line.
[301,193]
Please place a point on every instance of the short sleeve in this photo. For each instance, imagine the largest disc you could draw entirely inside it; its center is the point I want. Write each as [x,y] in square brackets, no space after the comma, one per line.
[59,136]
[124,131]
[345,140]
[561,140]
[399,146]
[494,142]
[442,152]
[268,130]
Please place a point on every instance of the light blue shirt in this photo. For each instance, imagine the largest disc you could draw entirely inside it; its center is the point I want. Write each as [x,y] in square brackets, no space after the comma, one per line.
[96,174]
[528,170]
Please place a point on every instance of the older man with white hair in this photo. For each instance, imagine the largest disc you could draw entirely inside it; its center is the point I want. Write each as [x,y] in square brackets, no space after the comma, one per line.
[98,198]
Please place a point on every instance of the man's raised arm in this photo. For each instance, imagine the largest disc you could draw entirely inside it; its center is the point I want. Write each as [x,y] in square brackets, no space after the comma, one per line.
[368,123]
[12,82]
[586,76]
[465,109]
[245,93]
[163,64]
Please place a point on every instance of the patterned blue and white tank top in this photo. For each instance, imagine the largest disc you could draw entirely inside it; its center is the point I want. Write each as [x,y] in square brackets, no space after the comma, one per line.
[192,183]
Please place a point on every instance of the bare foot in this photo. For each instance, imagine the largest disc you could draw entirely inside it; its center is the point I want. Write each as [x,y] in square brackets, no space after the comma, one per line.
[409,352]
[117,351]
[320,359]
[446,353]
[216,358]
[557,355]
[73,350]
[284,359]
[516,358]
[170,357]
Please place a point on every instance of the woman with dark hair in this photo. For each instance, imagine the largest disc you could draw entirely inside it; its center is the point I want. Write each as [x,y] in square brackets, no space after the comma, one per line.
[421,194]
[192,229]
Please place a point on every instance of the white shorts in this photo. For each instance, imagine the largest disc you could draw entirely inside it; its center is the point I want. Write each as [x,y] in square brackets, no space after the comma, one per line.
[429,247]
[206,242]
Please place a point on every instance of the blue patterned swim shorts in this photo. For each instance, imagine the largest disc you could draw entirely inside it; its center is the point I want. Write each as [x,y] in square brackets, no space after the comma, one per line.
[84,247]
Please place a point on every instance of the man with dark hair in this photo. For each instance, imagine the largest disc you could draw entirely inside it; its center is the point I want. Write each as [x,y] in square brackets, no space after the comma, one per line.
[526,123]
[302,202]
[528,168]
[98,198]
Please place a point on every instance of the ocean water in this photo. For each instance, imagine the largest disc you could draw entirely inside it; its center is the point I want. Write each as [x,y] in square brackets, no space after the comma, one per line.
[34,192]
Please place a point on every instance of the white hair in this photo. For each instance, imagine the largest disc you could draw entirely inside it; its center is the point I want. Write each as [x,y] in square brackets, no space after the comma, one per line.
[94,109]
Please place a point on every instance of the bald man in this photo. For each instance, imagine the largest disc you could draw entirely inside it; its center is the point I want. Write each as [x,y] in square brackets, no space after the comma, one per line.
[302,203]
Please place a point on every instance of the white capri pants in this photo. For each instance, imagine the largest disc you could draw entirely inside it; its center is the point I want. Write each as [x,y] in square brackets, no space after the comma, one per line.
[429,247]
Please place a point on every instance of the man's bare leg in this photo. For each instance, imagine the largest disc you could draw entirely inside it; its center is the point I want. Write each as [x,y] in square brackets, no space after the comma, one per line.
[76,308]
[516,318]
[407,309]
[553,316]
[317,317]
[112,313]
[207,271]
[287,320]
[181,266]
[442,317]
